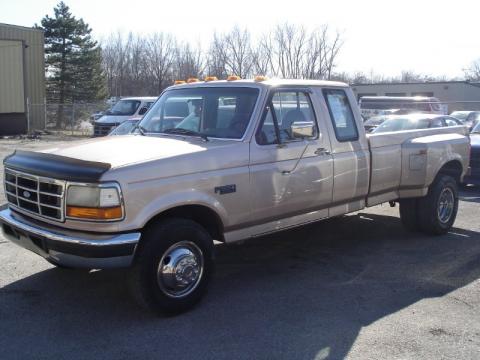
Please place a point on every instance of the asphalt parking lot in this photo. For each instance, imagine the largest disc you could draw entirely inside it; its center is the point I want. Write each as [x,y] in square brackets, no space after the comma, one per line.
[357,287]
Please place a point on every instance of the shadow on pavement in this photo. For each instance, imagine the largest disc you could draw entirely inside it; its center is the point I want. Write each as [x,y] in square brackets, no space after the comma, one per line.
[300,294]
[470,193]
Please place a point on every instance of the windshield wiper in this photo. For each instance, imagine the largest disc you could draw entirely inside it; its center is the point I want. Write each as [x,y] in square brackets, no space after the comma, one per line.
[181,131]
[141,129]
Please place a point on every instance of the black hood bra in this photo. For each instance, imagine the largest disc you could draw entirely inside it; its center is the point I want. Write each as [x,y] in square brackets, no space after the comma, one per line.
[55,166]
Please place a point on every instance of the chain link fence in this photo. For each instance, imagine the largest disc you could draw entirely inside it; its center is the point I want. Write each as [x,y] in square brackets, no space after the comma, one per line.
[69,119]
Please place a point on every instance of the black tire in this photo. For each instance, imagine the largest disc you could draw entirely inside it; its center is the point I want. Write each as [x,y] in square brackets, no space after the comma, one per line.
[409,214]
[58,266]
[158,241]
[428,207]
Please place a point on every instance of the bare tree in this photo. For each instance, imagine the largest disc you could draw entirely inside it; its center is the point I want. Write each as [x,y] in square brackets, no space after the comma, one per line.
[238,48]
[189,62]
[289,50]
[160,53]
[216,57]
[262,56]
[139,65]
[473,72]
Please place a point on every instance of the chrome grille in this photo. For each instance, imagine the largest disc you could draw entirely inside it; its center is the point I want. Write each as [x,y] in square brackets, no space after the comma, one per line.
[103,129]
[35,194]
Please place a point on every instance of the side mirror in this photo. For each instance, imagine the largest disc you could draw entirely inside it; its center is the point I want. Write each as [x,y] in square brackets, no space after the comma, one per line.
[142,111]
[303,129]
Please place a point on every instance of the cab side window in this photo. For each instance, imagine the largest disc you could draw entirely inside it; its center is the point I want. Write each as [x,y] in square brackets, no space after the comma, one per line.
[436,123]
[341,115]
[285,109]
[450,122]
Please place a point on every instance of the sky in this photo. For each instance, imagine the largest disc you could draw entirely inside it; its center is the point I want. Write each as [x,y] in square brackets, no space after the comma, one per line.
[438,38]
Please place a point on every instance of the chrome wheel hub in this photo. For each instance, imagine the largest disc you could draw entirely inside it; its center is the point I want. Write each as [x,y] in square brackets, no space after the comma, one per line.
[180,269]
[446,203]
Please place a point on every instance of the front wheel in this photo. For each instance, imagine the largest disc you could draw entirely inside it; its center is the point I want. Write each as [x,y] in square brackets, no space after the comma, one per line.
[173,266]
[437,211]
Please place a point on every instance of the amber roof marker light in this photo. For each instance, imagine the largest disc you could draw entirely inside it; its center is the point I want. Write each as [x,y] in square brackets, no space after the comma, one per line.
[233,78]
[179,82]
[210,78]
[192,80]
[259,78]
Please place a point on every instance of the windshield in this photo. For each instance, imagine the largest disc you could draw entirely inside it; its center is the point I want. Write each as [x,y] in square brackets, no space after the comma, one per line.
[124,128]
[399,124]
[124,107]
[476,128]
[460,115]
[221,112]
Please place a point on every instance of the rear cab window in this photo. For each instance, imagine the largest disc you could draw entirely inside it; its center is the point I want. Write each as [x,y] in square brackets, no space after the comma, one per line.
[341,115]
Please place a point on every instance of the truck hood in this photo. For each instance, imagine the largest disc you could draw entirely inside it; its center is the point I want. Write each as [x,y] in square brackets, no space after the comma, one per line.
[125,150]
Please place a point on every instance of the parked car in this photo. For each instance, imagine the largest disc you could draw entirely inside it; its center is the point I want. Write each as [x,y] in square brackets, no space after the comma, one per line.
[415,122]
[385,105]
[474,176]
[469,118]
[97,115]
[125,128]
[124,109]
[375,121]
[277,154]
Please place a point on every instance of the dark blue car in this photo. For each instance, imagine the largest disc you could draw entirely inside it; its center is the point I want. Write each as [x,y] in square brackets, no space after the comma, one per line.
[474,176]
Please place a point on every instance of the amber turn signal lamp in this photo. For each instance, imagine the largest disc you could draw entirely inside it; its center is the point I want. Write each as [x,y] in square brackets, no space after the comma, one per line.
[110,213]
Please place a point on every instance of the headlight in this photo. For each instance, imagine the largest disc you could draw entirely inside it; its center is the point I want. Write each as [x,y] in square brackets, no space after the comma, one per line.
[95,202]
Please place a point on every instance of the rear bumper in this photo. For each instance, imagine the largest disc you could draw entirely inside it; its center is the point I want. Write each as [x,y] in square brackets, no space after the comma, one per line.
[72,249]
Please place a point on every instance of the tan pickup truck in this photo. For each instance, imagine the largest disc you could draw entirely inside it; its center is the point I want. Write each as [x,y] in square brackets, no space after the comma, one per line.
[224,161]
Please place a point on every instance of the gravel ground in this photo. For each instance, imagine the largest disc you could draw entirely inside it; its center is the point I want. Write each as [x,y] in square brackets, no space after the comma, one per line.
[356,287]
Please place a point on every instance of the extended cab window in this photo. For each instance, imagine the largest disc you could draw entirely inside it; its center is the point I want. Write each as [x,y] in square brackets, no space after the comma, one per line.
[341,115]
[284,109]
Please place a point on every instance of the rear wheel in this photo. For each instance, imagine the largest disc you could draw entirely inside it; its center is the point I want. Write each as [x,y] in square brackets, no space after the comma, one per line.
[437,211]
[173,266]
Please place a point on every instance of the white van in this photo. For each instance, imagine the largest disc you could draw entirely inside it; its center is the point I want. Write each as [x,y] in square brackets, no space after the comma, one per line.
[124,109]
[387,105]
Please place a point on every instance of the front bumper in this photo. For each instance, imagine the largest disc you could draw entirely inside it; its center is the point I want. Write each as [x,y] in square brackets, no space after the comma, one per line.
[71,249]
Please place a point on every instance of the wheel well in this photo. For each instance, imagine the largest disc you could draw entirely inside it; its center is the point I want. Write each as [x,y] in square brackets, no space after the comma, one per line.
[202,215]
[452,168]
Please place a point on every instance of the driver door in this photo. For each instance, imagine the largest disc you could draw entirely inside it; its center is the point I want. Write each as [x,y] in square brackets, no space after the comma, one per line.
[289,176]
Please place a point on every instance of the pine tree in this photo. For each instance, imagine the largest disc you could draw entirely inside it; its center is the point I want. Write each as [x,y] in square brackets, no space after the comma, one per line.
[72,60]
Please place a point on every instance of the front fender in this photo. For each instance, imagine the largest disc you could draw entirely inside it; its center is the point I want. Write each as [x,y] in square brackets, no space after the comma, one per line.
[177,199]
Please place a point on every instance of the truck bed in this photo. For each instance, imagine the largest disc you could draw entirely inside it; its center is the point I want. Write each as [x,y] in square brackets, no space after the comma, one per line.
[404,163]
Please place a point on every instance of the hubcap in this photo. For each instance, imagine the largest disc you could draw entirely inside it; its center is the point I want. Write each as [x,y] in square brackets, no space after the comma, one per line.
[180,269]
[446,203]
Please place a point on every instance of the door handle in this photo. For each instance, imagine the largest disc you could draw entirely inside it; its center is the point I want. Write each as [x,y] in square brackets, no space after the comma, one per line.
[322,151]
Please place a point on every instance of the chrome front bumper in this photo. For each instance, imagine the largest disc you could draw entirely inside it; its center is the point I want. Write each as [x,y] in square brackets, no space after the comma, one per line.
[69,248]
